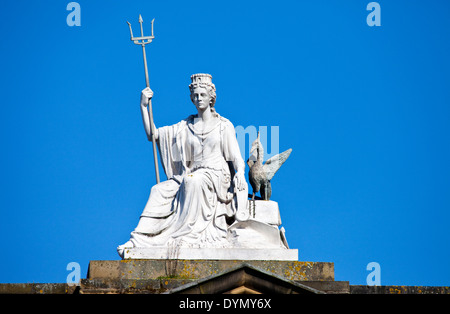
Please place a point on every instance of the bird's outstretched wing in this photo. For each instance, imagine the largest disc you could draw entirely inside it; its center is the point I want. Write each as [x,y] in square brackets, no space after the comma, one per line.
[274,163]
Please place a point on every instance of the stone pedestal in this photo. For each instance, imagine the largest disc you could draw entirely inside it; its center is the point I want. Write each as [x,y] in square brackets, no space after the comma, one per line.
[161,276]
[197,269]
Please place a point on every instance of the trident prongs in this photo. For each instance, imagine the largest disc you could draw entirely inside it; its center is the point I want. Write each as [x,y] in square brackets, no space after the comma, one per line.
[143,40]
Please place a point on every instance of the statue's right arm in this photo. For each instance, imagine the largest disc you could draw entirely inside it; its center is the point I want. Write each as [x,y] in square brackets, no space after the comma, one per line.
[146,98]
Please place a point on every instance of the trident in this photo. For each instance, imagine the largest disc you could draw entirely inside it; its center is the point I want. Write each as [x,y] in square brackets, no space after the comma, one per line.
[144,40]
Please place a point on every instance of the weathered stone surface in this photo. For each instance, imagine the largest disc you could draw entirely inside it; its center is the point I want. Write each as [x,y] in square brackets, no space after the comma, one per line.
[196,269]
[37,288]
[360,289]
[330,287]
[245,279]
[129,286]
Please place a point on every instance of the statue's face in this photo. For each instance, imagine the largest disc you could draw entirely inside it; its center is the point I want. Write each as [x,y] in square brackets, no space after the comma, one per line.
[201,98]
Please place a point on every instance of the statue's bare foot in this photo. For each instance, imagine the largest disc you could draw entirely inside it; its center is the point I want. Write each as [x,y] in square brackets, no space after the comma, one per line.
[121,248]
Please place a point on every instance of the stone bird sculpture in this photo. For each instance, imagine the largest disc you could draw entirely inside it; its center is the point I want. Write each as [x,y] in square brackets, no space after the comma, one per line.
[260,174]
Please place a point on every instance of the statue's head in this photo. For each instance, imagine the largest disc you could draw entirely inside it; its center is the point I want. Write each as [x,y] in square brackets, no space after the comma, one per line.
[202,84]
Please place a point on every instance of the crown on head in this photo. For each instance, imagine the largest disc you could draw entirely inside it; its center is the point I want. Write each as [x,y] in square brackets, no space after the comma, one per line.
[201,79]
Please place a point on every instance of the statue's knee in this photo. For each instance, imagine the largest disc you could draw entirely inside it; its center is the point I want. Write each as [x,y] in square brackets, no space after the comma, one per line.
[153,190]
[156,189]
[192,180]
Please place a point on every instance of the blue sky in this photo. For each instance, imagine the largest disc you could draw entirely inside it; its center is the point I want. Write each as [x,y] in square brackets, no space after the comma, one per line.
[366,111]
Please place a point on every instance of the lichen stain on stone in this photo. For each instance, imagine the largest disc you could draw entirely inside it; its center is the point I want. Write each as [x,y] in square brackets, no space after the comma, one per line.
[126,261]
[187,272]
[395,290]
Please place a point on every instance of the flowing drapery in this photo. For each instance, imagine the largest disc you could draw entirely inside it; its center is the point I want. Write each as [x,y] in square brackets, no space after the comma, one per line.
[191,207]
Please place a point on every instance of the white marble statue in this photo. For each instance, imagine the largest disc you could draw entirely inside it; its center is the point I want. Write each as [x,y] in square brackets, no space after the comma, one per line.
[205,170]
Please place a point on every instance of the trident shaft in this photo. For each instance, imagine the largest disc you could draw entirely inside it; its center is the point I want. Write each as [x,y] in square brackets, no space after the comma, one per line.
[144,40]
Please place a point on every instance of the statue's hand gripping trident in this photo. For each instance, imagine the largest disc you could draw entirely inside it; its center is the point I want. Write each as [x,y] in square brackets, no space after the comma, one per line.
[144,40]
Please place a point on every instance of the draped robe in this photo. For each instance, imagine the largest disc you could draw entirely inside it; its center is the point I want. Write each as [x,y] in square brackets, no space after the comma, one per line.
[191,207]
